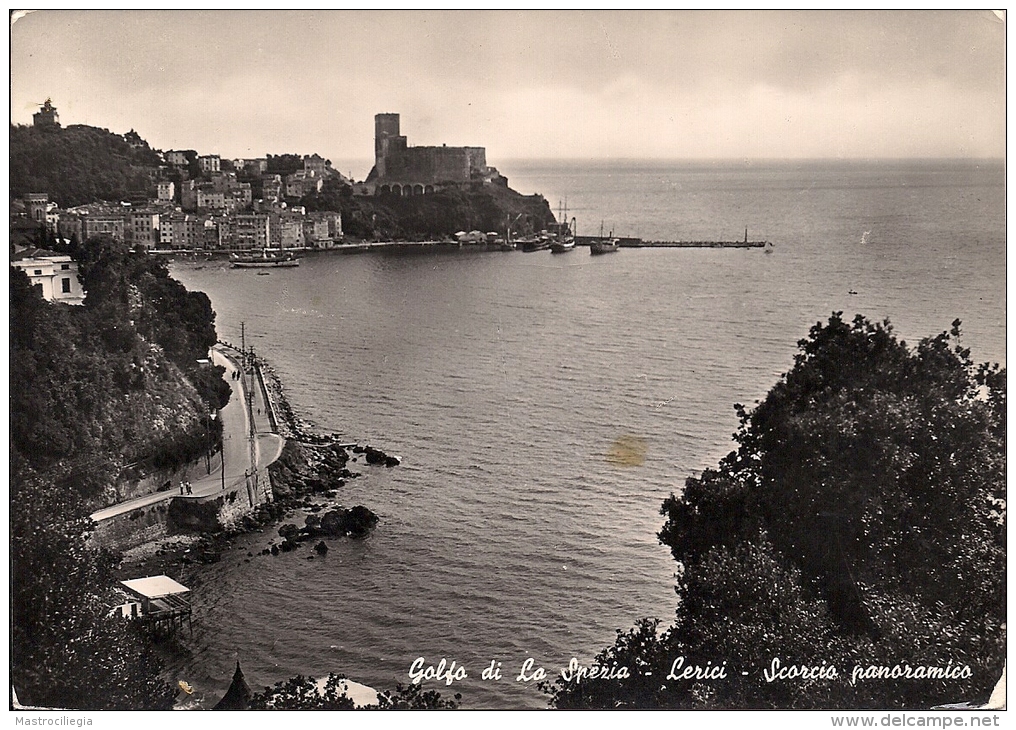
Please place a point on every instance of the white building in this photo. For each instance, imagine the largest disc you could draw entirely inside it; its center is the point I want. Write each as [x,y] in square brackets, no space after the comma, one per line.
[54,275]
[166,192]
[209,163]
[211,199]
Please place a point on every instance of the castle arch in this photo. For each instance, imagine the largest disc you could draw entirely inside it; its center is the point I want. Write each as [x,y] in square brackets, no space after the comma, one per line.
[418,190]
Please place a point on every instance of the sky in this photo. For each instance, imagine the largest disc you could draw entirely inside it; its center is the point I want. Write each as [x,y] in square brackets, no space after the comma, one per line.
[526,84]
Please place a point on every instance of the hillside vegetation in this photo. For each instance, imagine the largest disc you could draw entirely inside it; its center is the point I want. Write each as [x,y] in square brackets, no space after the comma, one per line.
[859,525]
[435,216]
[79,164]
[93,388]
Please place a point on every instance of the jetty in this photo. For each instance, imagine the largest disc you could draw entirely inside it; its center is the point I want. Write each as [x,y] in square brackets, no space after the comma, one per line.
[624,242]
[355,247]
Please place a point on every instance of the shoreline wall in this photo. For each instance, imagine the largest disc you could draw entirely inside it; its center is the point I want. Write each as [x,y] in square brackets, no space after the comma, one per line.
[131,529]
[183,515]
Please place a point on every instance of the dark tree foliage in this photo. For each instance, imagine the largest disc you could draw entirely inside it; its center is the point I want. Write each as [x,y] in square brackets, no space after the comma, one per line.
[92,379]
[433,216]
[414,697]
[334,195]
[66,651]
[79,164]
[137,293]
[860,522]
[283,165]
[304,693]
[87,385]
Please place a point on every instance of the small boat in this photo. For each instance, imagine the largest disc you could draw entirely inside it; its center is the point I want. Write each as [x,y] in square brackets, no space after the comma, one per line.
[603,245]
[534,243]
[264,273]
[266,259]
[608,245]
[562,246]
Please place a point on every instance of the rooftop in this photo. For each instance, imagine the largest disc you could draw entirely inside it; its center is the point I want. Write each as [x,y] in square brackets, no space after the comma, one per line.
[156,586]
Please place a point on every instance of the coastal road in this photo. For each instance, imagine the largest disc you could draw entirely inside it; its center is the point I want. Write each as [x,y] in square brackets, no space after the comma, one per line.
[236,445]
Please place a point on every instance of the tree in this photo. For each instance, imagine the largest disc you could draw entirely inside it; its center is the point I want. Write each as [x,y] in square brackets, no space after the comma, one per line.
[96,388]
[65,651]
[305,693]
[333,196]
[78,164]
[283,165]
[859,522]
[414,697]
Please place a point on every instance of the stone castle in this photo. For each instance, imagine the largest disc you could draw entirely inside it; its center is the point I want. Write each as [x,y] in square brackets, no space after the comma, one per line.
[403,170]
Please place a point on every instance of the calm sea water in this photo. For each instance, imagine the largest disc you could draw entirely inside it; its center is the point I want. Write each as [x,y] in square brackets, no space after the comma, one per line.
[503,379]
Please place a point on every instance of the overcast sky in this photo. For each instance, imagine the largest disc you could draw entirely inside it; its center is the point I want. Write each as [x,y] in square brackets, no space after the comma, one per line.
[526,84]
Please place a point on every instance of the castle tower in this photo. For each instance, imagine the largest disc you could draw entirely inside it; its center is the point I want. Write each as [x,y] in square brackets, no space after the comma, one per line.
[36,205]
[47,116]
[386,127]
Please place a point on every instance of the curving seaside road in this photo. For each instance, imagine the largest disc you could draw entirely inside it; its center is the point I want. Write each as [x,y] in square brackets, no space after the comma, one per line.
[236,444]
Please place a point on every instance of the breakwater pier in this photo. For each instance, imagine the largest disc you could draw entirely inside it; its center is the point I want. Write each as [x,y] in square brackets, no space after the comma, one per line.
[626,242]
[367,246]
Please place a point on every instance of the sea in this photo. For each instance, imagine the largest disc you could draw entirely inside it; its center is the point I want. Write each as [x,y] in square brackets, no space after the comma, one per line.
[511,536]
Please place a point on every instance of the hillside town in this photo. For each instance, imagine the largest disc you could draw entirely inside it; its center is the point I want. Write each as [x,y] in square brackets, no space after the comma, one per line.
[180,201]
[199,202]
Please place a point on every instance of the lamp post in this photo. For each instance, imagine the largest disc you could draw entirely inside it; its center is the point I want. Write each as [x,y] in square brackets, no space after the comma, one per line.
[222,452]
[208,443]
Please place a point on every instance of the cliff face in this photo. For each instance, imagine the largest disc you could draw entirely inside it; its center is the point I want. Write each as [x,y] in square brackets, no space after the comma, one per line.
[437,215]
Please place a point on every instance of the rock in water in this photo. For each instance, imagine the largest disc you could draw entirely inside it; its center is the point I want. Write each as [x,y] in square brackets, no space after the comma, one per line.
[334,522]
[360,521]
[321,548]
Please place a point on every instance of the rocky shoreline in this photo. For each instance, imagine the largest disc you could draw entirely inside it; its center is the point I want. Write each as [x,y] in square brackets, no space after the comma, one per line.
[307,477]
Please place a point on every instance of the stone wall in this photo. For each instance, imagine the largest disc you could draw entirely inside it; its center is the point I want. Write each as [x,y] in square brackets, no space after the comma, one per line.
[182,515]
[429,165]
[133,528]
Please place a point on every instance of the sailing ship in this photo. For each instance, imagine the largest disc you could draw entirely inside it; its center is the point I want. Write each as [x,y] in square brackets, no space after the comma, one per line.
[564,235]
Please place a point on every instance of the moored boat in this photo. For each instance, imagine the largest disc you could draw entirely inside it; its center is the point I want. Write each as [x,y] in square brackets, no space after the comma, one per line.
[534,243]
[603,245]
[563,239]
[265,260]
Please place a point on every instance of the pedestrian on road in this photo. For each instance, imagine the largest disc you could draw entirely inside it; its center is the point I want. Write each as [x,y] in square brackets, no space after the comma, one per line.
[181,487]
[189,490]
